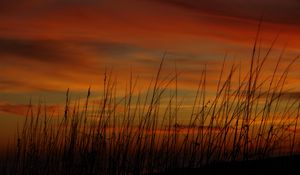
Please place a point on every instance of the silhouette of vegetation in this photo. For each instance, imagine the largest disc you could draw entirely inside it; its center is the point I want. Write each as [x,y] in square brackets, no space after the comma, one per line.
[248,118]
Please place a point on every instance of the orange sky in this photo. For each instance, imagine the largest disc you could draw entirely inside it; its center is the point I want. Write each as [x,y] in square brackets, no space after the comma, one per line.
[47,46]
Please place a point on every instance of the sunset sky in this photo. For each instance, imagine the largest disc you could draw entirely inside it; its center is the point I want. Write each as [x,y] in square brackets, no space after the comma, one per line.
[47,46]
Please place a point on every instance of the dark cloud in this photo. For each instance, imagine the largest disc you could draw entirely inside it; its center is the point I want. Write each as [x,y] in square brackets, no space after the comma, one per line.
[37,50]
[62,51]
[21,109]
[279,11]
[29,7]
[290,95]
[6,85]
[283,95]
[44,65]
[113,48]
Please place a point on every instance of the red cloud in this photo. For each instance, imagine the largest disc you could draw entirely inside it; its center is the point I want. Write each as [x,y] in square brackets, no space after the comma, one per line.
[22,109]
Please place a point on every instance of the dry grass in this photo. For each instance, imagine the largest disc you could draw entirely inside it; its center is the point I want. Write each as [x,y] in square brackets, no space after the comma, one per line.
[248,118]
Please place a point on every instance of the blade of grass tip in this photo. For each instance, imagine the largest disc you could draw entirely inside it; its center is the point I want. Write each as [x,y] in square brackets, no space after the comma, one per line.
[84,116]
[155,87]
[66,105]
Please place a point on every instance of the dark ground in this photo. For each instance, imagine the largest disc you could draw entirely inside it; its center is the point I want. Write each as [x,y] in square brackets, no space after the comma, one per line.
[282,165]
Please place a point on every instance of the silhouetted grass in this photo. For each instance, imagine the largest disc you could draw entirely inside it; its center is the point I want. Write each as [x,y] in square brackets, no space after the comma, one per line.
[248,118]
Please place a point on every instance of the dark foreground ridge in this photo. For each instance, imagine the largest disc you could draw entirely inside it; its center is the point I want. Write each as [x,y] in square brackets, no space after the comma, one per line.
[283,164]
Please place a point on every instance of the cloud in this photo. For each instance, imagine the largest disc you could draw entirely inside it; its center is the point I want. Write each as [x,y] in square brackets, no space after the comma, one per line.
[22,109]
[111,49]
[62,51]
[59,64]
[38,50]
[272,10]
[289,95]
[59,44]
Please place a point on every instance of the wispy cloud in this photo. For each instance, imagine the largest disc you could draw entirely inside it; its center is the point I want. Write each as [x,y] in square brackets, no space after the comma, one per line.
[54,45]
[272,10]
[37,50]
[23,110]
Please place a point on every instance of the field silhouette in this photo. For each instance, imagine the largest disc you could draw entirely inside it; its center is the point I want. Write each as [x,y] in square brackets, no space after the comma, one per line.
[250,118]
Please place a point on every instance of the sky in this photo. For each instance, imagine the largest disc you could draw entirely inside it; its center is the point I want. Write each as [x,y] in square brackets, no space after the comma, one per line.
[48,46]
